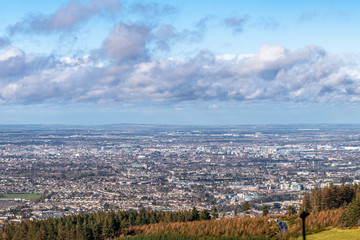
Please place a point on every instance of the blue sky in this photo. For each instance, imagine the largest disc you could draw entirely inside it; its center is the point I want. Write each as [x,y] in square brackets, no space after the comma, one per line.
[179,62]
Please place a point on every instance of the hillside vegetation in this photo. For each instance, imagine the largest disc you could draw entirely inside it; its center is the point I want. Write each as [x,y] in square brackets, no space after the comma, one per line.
[246,227]
[329,208]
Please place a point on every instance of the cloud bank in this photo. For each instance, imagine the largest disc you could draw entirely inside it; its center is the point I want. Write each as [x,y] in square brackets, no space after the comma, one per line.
[124,70]
[274,73]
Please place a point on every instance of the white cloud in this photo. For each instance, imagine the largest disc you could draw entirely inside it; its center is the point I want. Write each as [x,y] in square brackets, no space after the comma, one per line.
[274,73]
[11,52]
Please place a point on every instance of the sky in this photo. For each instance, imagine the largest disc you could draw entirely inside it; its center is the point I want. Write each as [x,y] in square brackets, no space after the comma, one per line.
[215,62]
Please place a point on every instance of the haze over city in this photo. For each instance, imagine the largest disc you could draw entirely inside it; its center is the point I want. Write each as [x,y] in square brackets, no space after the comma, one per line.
[179,62]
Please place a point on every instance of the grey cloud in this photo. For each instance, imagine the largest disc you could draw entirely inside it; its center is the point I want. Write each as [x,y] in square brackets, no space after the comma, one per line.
[236,23]
[197,33]
[66,18]
[35,79]
[127,42]
[166,35]
[274,73]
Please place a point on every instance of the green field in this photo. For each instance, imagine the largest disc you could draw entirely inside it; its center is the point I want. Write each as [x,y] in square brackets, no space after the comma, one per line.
[335,234]
[29,196]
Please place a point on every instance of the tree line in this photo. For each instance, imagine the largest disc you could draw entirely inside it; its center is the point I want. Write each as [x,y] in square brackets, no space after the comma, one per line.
[344,197]
[99,225]
[329,197]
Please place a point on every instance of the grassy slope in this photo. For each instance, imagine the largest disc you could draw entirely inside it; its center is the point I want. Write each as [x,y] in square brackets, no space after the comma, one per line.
[335,234]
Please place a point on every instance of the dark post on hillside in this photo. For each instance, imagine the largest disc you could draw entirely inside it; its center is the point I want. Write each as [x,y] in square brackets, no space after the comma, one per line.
[303,215]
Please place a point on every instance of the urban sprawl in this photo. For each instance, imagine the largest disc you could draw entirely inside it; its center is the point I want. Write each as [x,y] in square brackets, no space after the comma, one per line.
[52,171]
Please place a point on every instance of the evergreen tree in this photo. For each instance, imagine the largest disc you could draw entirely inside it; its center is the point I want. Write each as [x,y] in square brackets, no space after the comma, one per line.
[22,231]
[246,207]
[315,200]
[70,229]
[214,213]
[42,233]
[326,198]
[61,232]
[333,197]
[132,218]
[194,214]
[87,233]
[97,230]
[351,214]
[276,206]
[106,229]
[291,210]
[205,215]
[79,230]
[265,211]
[306,204]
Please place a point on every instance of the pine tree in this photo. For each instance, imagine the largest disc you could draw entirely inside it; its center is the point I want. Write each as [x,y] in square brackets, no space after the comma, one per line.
[79,230]
[265,210]
[194,214]
[97,230]
[351,214]
[106,229]
[61,232]
[42,234]
[291,210]
[70,229]
[205,215]
[306,204]
[333,197]
[246,207]
[315,200]
[22,231]
[87,233]
[214,213]
[325,198]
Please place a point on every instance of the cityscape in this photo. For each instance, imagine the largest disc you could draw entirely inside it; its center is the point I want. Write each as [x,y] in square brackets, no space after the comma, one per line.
[67,170]
[179,120]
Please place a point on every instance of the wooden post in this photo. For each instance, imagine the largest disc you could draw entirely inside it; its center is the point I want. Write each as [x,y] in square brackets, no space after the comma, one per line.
[303,215]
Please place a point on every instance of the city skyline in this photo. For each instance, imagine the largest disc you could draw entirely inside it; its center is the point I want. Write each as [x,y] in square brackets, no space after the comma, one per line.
[228,62]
